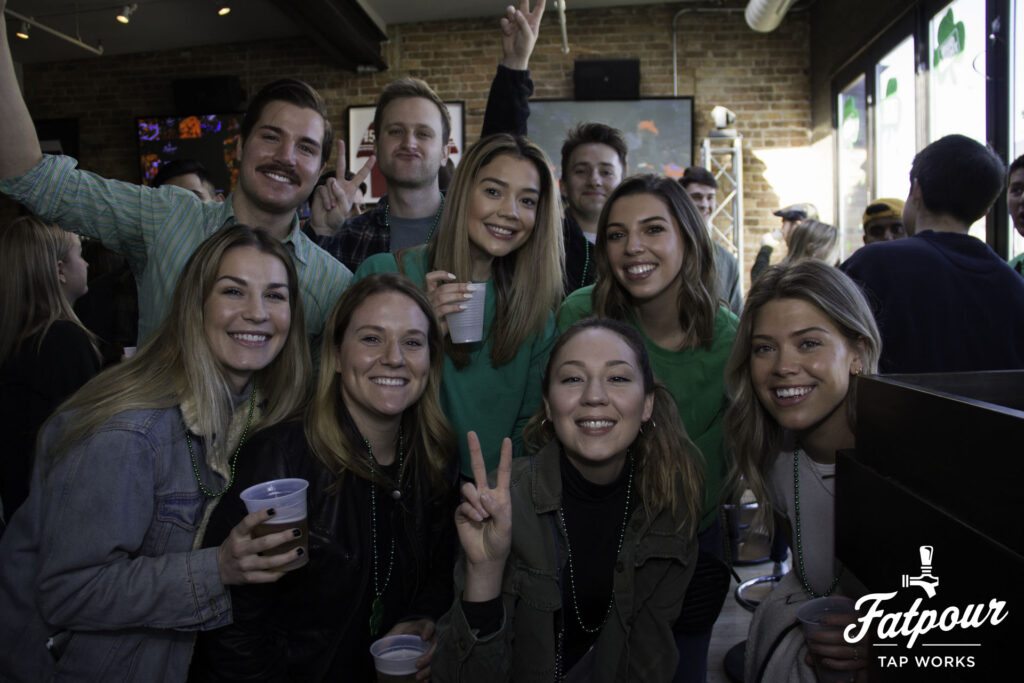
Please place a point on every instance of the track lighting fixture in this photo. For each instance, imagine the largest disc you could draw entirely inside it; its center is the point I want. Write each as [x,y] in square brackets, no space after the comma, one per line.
[125,15]
[224,9]
[23,31]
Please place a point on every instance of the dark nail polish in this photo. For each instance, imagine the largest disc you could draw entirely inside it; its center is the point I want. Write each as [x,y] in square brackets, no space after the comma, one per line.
[271,512]
[296,533]
[300,551]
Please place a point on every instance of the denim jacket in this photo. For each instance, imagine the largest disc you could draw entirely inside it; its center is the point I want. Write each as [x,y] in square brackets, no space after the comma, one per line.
[636,644]
[98,577]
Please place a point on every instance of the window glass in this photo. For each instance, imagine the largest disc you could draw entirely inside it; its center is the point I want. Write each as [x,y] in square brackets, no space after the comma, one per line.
[956,77]
[852,160]
[895,121]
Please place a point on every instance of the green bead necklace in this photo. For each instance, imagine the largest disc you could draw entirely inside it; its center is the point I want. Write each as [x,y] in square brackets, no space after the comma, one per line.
[377,607]
[437,218]
[572,572]
[234,459]
[799,541]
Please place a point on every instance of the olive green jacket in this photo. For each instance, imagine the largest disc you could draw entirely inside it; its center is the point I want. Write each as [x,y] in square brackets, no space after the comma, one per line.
[636,644]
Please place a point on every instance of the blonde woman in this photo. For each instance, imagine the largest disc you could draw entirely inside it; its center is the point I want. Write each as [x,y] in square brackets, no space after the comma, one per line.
[100,575]
[812,239]
[379,457]
[501,227]
[46,353]
[576,559]
[805,334]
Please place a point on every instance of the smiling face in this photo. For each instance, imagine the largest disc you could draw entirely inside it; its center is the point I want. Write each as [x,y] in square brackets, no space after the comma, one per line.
[703,197]
[384,359]
[502,210]
[280,160]
[800,367]
[594,171]
[247,314]
[410,148]
[645,247]
[596,402]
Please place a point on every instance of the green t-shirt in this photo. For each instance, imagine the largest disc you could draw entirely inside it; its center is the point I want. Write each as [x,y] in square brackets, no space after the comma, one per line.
[696,379]
[493,402]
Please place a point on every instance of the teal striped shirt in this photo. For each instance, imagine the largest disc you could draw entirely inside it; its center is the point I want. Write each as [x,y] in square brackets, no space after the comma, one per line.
[157,230]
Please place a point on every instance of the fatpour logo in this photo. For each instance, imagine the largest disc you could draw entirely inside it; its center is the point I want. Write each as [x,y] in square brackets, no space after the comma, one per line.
[894,628]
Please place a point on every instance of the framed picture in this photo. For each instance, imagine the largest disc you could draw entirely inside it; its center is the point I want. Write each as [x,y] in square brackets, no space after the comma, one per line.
[210,139]
[658,130]
[362,142]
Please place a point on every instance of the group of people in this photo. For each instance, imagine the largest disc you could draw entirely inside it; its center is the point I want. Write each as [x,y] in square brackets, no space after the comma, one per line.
[544,504]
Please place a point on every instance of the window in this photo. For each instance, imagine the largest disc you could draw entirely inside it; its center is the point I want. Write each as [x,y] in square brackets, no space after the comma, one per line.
[895,120]
[852,159]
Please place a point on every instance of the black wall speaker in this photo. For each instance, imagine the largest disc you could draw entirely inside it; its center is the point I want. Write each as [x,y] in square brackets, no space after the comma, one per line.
[606,79]
[212,95]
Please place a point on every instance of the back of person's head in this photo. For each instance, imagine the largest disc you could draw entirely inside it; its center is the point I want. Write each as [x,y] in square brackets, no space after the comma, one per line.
[959,177]
[670,469]
[427,433]
[177,363]
[411,87]
[812,239]
[31,296]
[592,132]
[699,175]
[295,92]
[753,435]
[179,167]
[698,304]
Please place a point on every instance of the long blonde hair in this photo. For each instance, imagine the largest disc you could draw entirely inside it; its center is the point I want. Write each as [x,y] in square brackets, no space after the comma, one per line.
[528,282]
[752,434]
[697,301]
[812,239]
[431,442]
[669,466]
[31,297]
[176,363]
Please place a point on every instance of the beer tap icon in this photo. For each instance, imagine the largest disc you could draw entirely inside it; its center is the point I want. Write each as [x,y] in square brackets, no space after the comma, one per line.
[926,580]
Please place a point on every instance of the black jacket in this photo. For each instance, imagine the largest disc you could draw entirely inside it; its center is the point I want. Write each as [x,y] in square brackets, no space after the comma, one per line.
[313,624]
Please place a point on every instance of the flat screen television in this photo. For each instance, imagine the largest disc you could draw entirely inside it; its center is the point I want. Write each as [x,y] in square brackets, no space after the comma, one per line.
[211,139]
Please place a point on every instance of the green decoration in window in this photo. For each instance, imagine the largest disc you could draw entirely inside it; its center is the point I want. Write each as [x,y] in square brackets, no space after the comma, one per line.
[951,38]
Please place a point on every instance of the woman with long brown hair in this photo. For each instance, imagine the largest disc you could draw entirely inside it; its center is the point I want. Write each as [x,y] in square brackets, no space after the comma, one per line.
[501,230]
[576,559]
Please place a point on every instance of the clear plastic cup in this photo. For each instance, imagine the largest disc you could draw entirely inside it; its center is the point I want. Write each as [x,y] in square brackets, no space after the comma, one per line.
[468,326]
[394,657]
[810,615]
[288,498]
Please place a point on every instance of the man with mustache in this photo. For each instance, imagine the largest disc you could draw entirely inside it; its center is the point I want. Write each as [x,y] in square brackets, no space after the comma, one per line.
[285,141]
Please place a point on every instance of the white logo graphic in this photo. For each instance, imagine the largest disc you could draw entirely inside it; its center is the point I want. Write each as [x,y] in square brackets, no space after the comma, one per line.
[916,621]
[926,580]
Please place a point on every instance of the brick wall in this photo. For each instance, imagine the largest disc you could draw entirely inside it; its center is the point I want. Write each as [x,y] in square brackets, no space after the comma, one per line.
[763,78]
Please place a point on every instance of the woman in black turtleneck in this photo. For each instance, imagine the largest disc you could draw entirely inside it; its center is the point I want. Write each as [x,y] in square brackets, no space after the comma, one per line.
[576,559]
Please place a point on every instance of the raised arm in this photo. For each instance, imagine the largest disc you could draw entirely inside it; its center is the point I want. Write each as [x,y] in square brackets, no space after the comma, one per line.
[19,146]
[508,101]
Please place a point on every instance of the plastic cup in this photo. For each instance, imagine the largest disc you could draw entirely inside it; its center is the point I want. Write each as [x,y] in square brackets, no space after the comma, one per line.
[810,615]
[468,326]
[288,498]
[394,657]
